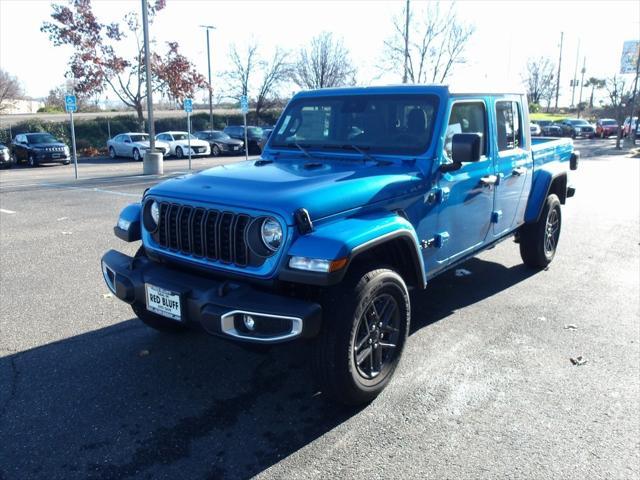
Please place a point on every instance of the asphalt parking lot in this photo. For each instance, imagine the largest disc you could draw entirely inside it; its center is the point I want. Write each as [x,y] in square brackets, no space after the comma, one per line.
[486,388]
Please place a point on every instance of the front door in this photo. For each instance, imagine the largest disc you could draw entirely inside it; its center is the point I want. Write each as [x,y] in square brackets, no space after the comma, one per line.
[513,167]
[465,215]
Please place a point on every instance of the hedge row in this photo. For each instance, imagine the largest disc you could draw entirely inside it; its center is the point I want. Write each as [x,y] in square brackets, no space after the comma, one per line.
[92,135]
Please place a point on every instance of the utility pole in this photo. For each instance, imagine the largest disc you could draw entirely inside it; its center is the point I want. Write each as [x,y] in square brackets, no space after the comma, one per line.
[152,161]
[575,77]
[406,44]
[559,65]
[584,69]
[207,28]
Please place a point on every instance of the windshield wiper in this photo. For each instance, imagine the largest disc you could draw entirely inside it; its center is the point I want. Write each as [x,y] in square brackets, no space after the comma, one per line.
[301,148]
[349,146]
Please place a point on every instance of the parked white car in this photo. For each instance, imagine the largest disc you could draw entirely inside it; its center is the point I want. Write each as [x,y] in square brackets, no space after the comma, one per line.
[179,144]
[133,145]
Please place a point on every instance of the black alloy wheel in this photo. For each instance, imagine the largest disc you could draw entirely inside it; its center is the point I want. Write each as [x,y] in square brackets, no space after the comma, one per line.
[31,160]
[179,152]
[215,150]
[376,337]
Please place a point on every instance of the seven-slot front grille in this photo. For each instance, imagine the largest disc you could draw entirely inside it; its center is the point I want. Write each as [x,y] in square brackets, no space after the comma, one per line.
[208,234]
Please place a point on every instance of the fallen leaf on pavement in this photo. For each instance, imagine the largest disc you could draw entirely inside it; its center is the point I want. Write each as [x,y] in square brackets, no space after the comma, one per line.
[579,360]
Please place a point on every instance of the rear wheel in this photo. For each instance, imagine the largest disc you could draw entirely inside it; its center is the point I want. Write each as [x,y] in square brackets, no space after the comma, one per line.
[539,241]
[157,322]
[366,321]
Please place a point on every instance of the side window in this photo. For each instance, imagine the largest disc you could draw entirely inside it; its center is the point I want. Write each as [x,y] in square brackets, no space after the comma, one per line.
[467,117]
[509,125]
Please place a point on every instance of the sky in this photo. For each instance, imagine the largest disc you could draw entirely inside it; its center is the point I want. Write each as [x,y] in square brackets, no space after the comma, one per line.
[507,33]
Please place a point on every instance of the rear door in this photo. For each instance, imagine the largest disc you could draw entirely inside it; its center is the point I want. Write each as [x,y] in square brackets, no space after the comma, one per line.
[513,165]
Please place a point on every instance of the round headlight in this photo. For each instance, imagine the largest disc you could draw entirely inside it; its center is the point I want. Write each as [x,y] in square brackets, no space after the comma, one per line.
[151,216]
[271,232]
[155,212]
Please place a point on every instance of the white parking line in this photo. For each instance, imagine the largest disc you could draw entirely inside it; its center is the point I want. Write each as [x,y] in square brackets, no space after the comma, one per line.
[94,189]
[4,210]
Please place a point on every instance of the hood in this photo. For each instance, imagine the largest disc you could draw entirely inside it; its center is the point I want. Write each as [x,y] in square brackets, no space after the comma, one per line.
[47,145]
[146,143]
[323,187]
[194,143]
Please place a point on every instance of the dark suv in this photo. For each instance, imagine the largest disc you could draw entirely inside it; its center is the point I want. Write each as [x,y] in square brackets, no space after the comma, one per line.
[576,127]
[37,148]
[254,135]
[220,142]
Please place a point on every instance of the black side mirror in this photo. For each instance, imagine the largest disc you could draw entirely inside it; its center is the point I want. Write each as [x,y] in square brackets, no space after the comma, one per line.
[465,148]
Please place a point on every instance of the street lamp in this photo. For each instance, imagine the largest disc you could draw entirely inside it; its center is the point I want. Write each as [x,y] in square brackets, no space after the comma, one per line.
[207,28]
[152,161]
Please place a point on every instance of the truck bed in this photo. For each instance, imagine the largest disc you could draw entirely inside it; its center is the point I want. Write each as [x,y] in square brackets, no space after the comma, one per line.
[546,150]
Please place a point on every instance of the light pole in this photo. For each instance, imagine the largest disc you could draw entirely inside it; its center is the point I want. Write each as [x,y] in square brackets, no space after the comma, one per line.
[152,162]
[207,28]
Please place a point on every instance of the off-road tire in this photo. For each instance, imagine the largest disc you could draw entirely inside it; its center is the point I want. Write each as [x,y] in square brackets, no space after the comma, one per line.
[345,307]
[539,240]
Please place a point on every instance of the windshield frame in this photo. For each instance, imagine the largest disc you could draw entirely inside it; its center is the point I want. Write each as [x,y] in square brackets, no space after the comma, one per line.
[346,146]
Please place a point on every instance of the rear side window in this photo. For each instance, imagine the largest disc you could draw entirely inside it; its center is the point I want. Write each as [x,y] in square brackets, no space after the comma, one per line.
[467,117]
[509,121]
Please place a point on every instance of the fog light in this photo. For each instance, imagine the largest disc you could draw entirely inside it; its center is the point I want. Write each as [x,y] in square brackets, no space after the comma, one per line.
[249,322]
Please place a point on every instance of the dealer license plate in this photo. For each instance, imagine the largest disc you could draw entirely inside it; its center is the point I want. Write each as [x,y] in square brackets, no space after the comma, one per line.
[163,302]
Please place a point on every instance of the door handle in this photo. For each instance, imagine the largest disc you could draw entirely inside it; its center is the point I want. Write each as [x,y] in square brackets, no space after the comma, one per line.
[488,180]
[517,172]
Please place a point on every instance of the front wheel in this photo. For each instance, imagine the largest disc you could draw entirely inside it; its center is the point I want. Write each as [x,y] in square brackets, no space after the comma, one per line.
[136,155]
[366,322]
[31,160]
[539,241]
[112,153]
[215,151]
[179,152]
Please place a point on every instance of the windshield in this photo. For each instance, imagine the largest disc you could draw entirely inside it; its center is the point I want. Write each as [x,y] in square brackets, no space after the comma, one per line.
[41,138]
[609,122]
[183,136]
[399,124]
[139,138]
[578,122]
[254,131]
[216,135]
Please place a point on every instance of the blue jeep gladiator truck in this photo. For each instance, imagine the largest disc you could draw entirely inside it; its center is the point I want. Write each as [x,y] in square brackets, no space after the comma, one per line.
[360,195]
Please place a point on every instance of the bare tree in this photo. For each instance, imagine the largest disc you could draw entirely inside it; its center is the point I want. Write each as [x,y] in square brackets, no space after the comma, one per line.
[617,92]
[324,63]
[432,46]
[243,67]
[540,79]
[274,73]
[595,84]
[10,90]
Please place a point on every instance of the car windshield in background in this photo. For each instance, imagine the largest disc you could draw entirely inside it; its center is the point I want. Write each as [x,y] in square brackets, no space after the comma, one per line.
[218,136]
[395,124]
[183,136]
[254,131]
[139,138]
[41,138]
[578,122]
[609,122]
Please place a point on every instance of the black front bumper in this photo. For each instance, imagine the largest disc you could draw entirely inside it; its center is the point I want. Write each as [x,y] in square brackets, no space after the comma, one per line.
[212,303]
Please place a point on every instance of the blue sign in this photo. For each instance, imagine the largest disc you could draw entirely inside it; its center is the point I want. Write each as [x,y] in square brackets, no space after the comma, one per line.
[244,104]
[70,103]
[188,105]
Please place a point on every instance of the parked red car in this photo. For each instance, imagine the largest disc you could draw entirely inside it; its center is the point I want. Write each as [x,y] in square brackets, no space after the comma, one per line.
[605,127]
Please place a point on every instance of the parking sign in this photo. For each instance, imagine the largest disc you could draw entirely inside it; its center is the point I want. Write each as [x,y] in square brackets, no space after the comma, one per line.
[188,105]
[70,103]
[244,104]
